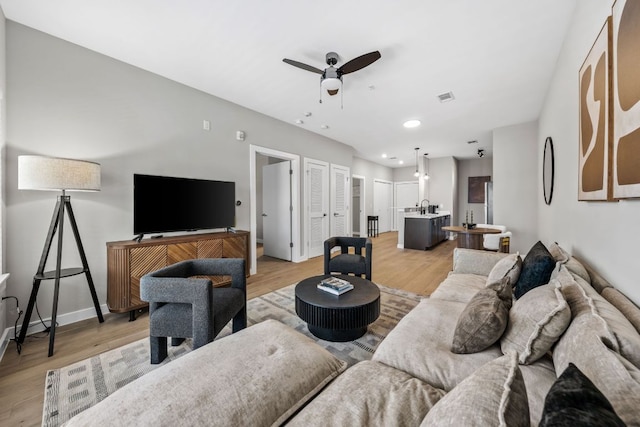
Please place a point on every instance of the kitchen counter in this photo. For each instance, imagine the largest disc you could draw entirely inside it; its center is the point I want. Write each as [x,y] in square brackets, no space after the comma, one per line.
[403,214]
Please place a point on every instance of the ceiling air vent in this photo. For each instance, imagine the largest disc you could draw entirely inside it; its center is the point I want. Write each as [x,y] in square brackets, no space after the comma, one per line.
[446,97]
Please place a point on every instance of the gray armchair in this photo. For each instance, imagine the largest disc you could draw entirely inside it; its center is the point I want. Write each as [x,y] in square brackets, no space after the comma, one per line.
[183,306]
[345,262]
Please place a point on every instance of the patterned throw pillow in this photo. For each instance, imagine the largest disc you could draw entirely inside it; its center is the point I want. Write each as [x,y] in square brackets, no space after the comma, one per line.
[536,269]
[484,319]
[574,400]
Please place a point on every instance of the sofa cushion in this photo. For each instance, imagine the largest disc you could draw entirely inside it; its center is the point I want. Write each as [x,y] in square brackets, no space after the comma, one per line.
[459,287]
[370,394]
[259,376]
[612,374]
[495,395]
[536,321]
[536,269]
[615,329]
[420,345]
[484,319]
[508,266]
[630,311]
[538,379]
[575,400]
[571,263]
[473,261]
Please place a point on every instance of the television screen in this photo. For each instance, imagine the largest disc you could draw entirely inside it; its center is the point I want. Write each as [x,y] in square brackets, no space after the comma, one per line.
[163,204]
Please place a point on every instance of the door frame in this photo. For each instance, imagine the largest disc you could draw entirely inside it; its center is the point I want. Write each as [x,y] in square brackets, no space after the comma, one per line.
[307,200]
[364,232]
[295,200]
[384,181]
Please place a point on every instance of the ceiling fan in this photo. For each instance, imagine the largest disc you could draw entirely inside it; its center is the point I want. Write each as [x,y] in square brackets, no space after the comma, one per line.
[331,77]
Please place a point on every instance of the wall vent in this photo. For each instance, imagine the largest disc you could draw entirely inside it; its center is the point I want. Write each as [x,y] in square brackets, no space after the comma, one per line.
[446,97]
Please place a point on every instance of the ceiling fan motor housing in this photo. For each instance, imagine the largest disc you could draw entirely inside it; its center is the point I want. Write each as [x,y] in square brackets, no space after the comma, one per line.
[332,58]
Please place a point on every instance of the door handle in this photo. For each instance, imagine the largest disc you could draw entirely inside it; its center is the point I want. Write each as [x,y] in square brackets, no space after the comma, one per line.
[324,214]
[264,214]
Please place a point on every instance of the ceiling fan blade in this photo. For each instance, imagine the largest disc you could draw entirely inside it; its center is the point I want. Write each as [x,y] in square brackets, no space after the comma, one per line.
[303,66]
[360,62]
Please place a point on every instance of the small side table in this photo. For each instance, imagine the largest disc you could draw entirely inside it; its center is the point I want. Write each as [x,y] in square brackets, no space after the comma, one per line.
[372,226]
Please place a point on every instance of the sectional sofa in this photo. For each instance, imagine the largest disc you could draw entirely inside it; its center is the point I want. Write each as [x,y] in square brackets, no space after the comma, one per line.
[470,354]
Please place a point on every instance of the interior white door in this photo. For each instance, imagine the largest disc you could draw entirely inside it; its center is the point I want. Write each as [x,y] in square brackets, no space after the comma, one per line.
[382,204]
[339,205]
[406,195]
[276,210]
[317,188]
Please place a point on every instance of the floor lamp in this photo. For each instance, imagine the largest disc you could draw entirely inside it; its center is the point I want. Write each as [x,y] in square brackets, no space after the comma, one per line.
[56,174]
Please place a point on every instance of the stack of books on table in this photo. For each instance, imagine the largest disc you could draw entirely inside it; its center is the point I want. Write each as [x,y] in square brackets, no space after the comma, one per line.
[335,285]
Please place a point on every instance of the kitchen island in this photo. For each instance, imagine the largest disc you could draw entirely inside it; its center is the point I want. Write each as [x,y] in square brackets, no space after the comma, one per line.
[422,231]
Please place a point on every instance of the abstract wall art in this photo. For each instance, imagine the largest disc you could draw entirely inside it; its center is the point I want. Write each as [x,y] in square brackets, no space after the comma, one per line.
[626,99]
[594,159]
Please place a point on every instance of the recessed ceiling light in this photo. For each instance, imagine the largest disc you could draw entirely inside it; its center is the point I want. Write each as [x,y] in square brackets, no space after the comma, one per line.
[384,155]
[307,114]
[401,162]
[324,126]
[299,122]
[411,123]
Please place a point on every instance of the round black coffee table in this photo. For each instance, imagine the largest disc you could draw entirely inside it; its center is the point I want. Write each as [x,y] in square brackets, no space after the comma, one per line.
[338,317]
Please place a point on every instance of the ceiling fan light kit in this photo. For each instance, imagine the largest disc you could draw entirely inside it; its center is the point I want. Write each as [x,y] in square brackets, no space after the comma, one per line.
[331,77]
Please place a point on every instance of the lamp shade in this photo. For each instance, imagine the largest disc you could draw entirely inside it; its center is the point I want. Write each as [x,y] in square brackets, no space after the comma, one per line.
[54,174]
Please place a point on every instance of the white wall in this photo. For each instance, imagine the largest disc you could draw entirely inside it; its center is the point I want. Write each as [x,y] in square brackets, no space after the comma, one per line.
[516,189]
[370,171]
[470,168]
[3,145]
[67,101]
[603,234]
[442,186]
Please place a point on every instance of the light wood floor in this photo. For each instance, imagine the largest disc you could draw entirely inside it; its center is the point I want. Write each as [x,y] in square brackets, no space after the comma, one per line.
[22,376]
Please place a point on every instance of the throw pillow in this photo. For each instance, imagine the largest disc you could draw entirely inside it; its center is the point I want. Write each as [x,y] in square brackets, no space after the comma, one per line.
[536,269]
[536,321]
[559,254]
[484,319]
[494,395]
[508,266]
[574,400]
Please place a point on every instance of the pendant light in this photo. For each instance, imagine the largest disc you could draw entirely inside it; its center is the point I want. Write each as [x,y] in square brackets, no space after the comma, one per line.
[426,173]
[416,173]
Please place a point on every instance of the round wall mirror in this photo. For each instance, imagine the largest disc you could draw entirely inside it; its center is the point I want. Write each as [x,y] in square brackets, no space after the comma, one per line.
[548,170]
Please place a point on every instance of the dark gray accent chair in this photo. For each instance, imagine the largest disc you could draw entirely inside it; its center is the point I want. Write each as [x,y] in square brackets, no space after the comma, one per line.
[345,262]
[183,306]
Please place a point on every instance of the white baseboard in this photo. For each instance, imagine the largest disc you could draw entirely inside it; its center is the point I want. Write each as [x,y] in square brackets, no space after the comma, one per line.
[63,319]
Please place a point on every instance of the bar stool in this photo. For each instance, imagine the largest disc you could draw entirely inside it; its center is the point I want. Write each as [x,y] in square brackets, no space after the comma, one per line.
[372,222]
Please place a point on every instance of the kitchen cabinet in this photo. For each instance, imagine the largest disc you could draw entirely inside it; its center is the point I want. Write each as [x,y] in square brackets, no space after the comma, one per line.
[425,231]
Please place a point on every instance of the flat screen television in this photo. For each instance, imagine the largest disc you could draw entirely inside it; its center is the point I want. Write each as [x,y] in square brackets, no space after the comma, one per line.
[163,204]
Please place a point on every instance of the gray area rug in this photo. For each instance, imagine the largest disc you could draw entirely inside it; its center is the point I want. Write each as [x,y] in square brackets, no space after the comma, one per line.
[74,388]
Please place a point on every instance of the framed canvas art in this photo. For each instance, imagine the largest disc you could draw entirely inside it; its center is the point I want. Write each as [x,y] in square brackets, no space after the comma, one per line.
[626,99]
[476,188]
[594,158]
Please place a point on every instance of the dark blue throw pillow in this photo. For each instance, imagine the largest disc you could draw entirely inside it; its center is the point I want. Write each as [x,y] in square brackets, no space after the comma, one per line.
[574,401]
[536,270]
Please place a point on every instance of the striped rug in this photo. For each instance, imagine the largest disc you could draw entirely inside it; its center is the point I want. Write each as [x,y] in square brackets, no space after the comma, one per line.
[74,388]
